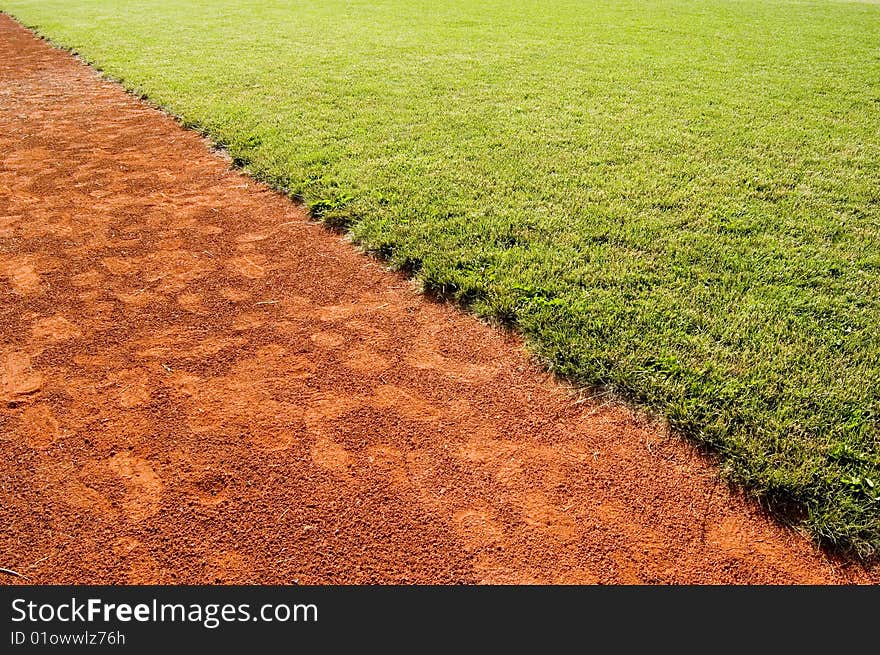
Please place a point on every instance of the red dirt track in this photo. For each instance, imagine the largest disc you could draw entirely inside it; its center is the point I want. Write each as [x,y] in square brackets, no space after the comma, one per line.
[197,384]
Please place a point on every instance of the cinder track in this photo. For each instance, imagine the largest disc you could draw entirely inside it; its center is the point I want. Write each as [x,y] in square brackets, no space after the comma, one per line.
[200,385]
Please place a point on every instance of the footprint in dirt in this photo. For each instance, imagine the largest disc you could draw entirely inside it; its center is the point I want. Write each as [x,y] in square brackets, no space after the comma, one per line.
[131,480]
[18,379]
[39,427]
[54,328]
[23,272]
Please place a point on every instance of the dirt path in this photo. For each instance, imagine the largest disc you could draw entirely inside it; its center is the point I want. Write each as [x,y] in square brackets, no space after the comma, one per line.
[200,385]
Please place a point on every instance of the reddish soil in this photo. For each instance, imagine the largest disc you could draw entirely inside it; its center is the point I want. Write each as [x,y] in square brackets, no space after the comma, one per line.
[197,384]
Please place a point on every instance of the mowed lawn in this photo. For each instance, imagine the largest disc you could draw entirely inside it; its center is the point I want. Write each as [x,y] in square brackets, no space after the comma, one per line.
[677,199]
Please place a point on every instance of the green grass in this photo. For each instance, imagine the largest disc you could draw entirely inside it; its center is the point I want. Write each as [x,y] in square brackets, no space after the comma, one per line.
[679,199]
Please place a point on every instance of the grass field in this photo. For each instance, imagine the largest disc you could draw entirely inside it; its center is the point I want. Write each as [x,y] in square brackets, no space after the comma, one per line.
[678,199]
